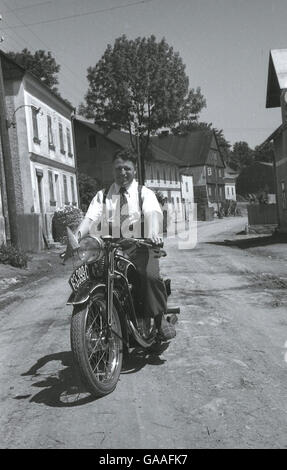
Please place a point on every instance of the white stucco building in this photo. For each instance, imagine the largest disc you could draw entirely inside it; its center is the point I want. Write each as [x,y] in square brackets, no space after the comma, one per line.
[41,141]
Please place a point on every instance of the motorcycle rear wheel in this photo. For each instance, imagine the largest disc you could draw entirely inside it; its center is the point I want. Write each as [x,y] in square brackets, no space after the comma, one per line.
[99,357]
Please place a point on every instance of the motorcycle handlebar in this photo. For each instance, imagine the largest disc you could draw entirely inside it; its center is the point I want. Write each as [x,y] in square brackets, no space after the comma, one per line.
[139,241]
[145,242]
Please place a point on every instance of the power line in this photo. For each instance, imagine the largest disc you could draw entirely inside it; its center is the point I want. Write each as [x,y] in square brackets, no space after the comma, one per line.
[68,77]
[31,5]
[69,17]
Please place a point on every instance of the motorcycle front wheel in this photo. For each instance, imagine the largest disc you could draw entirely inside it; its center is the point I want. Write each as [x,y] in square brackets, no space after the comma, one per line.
[97,349]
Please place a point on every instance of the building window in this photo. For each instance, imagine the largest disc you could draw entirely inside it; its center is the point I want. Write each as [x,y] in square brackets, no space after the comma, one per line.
[170,176]
[228,191]
[209,171]
[51,188]
[92,141]
[175,175]
[69,142]
[66,197]
[151,173]
[61,135]
[186,186]
[283,191]
[50,133]
[35,125]
[158,175]
[177,200]
[209,191]
[232,191]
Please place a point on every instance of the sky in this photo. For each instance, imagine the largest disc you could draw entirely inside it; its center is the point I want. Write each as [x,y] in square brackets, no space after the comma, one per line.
[225,45]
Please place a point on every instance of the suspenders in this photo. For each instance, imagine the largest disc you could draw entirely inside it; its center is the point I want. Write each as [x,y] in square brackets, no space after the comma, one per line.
[140,199]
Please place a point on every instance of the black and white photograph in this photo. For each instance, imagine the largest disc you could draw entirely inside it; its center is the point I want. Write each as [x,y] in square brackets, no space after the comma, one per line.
[143,227]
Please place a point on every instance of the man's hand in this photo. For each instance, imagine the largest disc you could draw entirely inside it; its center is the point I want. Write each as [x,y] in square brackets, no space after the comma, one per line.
[156,240]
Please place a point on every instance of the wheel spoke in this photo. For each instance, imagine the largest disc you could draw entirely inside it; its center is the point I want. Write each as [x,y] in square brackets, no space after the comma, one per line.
[95,349]
[102,343]
[99,361]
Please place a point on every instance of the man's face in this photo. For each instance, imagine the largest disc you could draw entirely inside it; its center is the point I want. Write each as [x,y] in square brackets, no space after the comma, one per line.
[124,172]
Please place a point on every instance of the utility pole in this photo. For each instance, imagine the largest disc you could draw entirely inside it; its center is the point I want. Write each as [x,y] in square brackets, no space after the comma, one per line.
[216,183]
[7,162]
[139,160]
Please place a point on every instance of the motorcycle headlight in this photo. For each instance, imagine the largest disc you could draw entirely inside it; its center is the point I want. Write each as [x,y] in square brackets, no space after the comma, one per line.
[91,249]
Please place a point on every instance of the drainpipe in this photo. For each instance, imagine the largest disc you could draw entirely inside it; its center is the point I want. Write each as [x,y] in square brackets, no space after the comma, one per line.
[73,118]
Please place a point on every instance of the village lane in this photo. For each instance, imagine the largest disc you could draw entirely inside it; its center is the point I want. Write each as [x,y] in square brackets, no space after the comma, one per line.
[220,384]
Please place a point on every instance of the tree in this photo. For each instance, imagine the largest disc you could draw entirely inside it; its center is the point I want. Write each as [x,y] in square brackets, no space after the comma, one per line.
[88,188]
[264,153]
[241,156]
[140,86]
[41,64]
[224,145]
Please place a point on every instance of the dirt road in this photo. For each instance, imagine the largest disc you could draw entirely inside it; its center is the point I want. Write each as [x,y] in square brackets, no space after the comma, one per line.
[221,383]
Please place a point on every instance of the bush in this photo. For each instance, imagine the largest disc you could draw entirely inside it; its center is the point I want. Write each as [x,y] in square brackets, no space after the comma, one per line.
[228,208]
[11,255]
[63,218]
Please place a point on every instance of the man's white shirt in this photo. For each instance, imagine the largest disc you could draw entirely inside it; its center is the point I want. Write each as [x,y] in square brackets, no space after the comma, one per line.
[110,212]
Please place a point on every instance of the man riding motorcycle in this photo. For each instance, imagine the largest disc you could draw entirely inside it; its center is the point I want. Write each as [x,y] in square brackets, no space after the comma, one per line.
[127,210]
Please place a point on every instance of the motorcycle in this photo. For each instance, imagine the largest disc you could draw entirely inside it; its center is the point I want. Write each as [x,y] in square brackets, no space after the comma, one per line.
[107,316]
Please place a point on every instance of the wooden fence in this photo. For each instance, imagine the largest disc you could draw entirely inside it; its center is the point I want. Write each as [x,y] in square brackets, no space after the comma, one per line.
[30,232]
[262,214]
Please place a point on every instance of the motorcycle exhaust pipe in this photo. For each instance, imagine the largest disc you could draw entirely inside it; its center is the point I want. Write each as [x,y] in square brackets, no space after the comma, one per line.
[173,310]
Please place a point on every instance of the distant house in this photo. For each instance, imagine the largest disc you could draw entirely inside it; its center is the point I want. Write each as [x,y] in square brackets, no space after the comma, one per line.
[95,149]
[277,97]
[230,177]
[201,159]
[257,179]
[41,142]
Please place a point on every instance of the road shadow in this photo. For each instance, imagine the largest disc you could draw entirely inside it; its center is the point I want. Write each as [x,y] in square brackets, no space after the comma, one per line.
[60,388]
[253,242]
[139,358]
[64,388]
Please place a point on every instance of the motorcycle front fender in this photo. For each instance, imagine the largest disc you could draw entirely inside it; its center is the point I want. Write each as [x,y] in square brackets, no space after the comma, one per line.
[84,293]
[82,296]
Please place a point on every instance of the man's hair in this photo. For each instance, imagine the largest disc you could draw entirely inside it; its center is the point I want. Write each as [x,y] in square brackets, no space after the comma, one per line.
[126,154]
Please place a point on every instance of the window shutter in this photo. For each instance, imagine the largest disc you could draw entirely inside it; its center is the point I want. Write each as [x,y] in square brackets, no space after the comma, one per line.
[51,188]
[50,131]
[65,189]
[35,123]
[62,148]
[73,190]
[69,142]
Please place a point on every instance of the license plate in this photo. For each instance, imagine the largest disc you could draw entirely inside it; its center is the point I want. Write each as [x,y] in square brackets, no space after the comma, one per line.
[79,277]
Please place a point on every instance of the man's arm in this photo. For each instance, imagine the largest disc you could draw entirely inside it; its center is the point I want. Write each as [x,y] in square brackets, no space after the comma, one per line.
[154,226]
[153,216]
[83,229]
[93,216]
